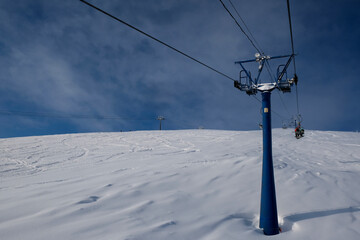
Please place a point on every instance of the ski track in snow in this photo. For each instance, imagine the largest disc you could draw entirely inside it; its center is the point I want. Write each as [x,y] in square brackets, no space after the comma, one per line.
[191,184]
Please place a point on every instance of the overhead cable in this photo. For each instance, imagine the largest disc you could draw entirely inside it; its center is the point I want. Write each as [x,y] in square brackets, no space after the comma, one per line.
[281,117]
[297,100]
[68,116]
[291,34]
[237,23]
[293,52]
[157,40]
[283,103]
[242,20]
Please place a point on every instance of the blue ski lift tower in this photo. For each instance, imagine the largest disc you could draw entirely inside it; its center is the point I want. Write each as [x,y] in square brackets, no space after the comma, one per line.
[268,209]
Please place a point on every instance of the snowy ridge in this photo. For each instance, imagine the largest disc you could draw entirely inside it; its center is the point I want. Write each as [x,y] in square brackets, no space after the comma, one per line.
[192,184]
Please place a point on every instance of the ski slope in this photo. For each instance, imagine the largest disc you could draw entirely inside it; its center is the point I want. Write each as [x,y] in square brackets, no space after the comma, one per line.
[186,185]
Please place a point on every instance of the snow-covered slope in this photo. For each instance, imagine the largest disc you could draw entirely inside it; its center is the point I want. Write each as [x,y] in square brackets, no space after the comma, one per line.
[193,184]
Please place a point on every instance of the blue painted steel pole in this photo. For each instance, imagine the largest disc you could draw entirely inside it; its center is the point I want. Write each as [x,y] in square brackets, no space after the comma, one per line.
[268,210]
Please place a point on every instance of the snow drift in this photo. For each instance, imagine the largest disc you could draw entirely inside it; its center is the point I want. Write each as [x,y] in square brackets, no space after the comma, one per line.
[193,184]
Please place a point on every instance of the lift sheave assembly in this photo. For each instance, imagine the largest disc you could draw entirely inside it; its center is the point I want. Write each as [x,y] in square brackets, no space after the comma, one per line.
[251,85]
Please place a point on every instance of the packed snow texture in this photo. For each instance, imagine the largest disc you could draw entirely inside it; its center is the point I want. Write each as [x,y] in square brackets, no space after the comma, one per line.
[186,185]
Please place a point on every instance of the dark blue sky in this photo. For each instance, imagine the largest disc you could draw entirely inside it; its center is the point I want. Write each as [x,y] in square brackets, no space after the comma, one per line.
[62,58]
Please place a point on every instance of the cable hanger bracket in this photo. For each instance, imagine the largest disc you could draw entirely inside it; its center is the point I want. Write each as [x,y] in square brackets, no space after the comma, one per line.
[252,85]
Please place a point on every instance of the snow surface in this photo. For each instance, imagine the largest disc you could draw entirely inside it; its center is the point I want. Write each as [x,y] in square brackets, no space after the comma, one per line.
[192,184]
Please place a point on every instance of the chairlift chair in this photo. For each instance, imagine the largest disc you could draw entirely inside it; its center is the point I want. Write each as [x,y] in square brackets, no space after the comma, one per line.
[244,84]
[299,131]
[284,84]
